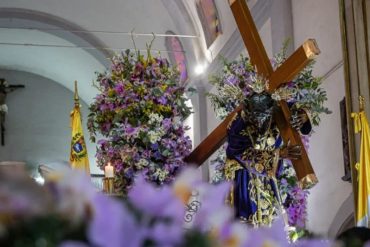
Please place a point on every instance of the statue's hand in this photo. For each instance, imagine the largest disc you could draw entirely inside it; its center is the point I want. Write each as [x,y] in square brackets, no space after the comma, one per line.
[298,119]
[292,152]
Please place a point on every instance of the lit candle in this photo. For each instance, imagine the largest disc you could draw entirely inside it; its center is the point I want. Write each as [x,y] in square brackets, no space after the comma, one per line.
[108,171]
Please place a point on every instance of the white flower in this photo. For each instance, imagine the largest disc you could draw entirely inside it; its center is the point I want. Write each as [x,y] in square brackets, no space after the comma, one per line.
[4,108]
[177,122]
[155,118]
[161,174]
[154,136]
[284,93]
[142,163]
[258,84]
[221,112]
[276,96]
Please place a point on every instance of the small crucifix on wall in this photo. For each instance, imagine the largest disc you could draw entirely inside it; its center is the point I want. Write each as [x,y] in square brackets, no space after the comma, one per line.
[5,88]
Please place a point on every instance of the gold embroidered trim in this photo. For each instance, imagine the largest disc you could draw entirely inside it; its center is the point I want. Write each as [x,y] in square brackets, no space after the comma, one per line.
[231,166]
[232,120]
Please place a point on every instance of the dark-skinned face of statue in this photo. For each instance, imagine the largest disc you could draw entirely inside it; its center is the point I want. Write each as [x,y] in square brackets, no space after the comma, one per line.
[259,109]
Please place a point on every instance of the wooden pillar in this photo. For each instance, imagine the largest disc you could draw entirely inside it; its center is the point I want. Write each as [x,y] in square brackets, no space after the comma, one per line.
[355,27]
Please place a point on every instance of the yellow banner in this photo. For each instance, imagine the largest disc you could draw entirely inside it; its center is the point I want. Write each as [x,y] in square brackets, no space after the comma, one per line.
[363,170]
[78,157]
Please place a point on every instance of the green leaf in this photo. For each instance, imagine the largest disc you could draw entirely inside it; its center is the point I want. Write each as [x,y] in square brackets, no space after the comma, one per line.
[166,153]
[157,92]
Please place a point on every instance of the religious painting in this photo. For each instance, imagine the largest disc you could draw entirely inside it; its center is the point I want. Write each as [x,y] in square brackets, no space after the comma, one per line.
[177,55]
[209,19]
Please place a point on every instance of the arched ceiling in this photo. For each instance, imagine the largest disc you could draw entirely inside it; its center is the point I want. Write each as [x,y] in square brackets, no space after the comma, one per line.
[53,27]
[63,65]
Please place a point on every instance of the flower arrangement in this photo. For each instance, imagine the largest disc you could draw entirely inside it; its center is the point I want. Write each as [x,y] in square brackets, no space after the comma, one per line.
[295,198]
[67,212]
[239,79]
[236,82]
[140,111]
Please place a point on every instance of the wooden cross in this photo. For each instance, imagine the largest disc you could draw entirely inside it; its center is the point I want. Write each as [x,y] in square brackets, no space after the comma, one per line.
[285,73]
[4,90]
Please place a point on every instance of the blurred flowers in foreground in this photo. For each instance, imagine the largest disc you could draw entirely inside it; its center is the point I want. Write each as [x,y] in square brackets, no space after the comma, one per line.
[68,212]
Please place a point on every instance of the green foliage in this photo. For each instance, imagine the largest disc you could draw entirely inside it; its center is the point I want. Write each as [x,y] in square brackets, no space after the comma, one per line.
[310,94]
[45,231]
[195,238]
[239,79]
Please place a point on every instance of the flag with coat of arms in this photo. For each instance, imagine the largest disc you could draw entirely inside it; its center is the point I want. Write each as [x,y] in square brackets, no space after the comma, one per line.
[78,156]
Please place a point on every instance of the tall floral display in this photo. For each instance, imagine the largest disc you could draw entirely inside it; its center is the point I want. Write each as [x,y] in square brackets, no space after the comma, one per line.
[139,112]
[239,80]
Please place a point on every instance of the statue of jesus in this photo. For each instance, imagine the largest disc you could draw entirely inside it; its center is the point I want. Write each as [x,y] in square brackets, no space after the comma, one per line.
[255,154]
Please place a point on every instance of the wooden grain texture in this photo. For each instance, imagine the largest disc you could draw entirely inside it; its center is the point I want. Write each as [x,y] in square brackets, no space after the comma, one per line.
[251,38]
[293,65]
[303,165]
[212,142]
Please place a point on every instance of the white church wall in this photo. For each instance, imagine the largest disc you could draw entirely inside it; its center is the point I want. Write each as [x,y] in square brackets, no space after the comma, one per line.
[320,20]
[326,156]
[265,33]
[38,123]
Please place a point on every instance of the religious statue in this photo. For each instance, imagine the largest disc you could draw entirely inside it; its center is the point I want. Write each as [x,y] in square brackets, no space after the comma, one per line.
[5,88]
[255,154]
[264,106]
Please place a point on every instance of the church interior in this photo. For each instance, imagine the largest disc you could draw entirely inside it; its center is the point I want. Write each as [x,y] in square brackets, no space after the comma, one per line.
[60,56]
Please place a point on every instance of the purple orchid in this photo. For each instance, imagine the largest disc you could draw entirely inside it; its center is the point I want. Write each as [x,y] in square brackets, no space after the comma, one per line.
[269,236]
[119,87]
[315,243]
[112,224]
[214,211]
[131,131]
[166,234]
[160,202]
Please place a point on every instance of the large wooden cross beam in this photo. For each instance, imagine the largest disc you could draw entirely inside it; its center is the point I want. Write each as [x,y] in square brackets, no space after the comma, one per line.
[285,73]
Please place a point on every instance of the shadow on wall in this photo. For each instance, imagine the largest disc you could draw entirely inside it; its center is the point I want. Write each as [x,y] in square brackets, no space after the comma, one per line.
[344,218]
